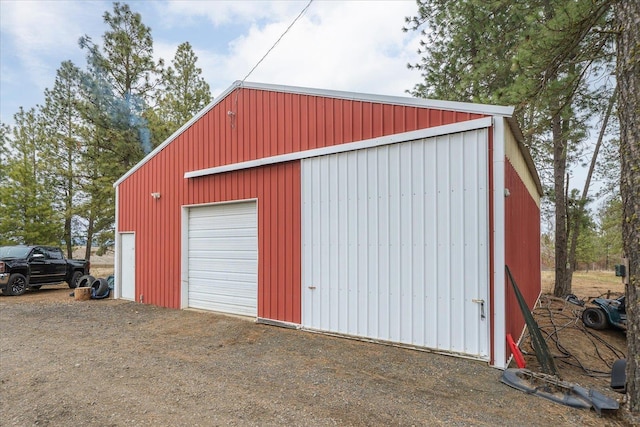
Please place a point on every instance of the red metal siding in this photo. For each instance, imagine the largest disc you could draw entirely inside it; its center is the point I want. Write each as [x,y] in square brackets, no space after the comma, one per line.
[157,226]
[248,124]
[251,124]
[522,249]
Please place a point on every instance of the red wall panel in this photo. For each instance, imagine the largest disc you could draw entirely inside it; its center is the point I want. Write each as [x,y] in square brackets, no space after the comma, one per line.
[157,226]
[522,249]
[248,124]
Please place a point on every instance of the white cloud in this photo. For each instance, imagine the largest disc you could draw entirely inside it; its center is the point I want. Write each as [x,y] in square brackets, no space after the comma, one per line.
[227,12]
[40,35]
[353,46]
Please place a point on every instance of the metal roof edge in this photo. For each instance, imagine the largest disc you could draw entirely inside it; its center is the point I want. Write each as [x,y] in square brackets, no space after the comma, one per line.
[467,107]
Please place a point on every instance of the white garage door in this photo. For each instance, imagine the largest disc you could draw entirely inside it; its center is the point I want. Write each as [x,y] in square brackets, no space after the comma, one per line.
[395,243]
[223,258]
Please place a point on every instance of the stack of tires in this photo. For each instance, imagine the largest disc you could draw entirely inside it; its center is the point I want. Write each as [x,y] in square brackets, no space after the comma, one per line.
[99,287]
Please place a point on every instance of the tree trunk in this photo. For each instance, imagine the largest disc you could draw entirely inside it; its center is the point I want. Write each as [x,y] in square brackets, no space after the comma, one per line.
[628,77]
[87,253]
[581,208]
[68,211]
[67,237]
[562,286]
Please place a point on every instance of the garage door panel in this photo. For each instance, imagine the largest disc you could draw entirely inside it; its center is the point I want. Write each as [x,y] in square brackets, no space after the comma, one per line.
[208,233]
[223,258]
[203,276]
[222,223]
[209,254]
[230,244]
[214,265]
[236,305]
[224,290]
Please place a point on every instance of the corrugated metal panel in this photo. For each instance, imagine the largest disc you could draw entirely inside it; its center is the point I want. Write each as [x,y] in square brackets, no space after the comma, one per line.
[253,124]
[395,243]
[223,258]
[522,248]
[262,124]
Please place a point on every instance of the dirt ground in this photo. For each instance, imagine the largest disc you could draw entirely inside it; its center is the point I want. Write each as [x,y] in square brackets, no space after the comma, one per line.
[115,363]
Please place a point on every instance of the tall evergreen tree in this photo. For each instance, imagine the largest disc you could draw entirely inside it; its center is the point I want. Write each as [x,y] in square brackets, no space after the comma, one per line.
[627,14]
[184,94]
[26,190]
[126,64]
[63,128]
[536,55]
[118,88]
[128,54]
[5,130]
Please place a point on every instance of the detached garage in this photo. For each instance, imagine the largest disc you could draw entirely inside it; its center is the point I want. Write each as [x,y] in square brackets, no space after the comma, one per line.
[384,218]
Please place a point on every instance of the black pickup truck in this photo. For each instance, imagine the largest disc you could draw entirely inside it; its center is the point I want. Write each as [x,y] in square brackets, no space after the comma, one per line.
[23,267]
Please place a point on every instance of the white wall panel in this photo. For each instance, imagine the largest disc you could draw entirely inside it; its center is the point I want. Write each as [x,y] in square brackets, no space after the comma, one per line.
[395,243]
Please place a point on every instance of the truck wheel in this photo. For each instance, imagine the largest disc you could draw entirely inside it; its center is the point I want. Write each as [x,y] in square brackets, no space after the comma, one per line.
[594,318]
[74,279]
[17,285]
[85,281]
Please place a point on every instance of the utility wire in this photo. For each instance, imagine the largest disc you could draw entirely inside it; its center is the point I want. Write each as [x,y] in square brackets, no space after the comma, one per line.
[278,41]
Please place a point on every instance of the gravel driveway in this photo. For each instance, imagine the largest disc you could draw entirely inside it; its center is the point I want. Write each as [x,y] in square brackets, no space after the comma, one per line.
[116,363]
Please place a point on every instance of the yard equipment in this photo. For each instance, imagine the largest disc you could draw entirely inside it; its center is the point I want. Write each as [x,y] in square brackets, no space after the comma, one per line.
[608,312]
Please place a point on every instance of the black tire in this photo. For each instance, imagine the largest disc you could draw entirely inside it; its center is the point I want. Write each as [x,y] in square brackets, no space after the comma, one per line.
[17,285]
[594,318]
[75,277]
[85,281]
[101,287]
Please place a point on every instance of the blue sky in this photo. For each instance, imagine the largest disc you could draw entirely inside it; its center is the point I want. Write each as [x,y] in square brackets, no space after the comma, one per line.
[356,46]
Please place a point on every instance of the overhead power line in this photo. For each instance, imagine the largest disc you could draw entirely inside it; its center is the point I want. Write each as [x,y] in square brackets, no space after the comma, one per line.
[278,41]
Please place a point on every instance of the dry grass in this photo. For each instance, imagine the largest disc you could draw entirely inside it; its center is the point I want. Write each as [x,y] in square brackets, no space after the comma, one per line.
[102,271]
[586,284]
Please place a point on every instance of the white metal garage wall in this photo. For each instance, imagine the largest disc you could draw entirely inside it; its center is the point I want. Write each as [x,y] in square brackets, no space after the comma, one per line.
[395,243]
[223,258]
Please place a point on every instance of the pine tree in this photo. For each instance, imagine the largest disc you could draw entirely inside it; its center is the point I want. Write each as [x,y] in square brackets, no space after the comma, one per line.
[535,55]
[128,54]
[63,127]
[627,15]
[5,130]
[185,94]
[26,190]
[118,87]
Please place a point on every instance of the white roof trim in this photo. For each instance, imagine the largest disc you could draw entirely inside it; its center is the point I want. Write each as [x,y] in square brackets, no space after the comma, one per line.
[491,110]
[465,107]
[341,148]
